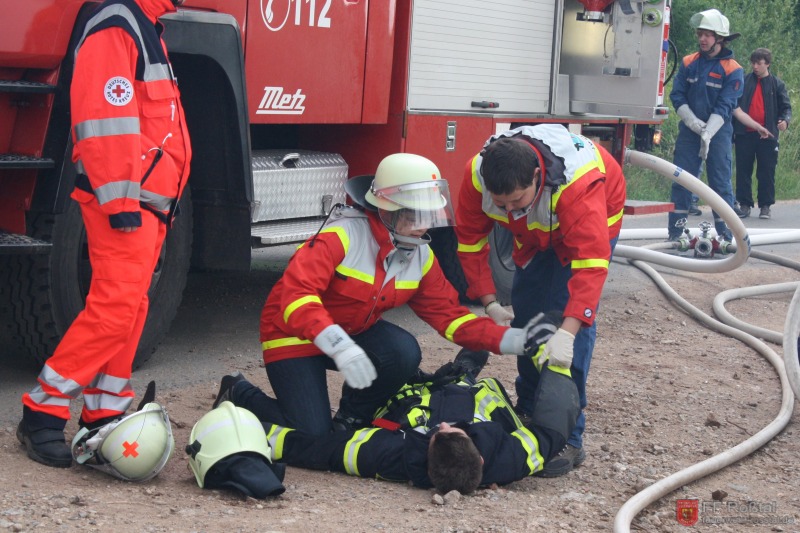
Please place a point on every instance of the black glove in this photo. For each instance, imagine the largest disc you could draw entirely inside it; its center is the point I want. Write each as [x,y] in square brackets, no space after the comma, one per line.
[539,330]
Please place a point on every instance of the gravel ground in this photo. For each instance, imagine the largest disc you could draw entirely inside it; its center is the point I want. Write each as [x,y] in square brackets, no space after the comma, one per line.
[664,393]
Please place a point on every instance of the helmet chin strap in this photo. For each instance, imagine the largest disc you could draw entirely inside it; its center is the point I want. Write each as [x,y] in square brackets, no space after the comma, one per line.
[711,53]
[403,242]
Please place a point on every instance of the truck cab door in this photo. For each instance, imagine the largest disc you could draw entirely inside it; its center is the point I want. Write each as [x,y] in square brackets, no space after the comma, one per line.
[305,61]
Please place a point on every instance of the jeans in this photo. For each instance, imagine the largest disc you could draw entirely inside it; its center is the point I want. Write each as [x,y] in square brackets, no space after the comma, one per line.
[719,170]
[301,388]
[538,288]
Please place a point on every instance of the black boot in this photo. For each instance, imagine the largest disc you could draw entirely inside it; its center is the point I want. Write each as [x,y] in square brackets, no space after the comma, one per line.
[43,437]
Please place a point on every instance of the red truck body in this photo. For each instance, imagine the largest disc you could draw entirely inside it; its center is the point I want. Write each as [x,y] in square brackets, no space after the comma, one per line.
[286,99]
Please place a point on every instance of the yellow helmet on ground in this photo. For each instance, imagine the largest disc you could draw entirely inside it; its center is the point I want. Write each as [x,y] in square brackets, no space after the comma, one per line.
[228,448]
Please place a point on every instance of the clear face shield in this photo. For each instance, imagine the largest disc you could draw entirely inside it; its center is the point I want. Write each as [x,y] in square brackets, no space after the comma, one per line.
[417,206]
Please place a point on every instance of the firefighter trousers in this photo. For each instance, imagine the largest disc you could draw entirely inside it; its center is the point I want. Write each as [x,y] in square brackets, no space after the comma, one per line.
[95,355]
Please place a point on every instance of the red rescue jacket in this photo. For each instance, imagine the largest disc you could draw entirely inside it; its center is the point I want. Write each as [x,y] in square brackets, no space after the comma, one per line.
[579,212]
[125,107]
[353,274]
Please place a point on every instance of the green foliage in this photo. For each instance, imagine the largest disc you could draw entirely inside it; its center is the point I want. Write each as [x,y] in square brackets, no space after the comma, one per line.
[773,24]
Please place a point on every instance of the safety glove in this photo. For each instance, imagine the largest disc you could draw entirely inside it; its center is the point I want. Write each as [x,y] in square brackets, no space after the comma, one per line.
[350,358]
[498,313]
[715,122]
[526,341]
[690,119]
[558,350]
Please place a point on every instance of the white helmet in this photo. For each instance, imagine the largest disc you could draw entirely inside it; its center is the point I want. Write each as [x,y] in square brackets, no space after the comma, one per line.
[135,448]
[228,448]
[411,184]
[713,20]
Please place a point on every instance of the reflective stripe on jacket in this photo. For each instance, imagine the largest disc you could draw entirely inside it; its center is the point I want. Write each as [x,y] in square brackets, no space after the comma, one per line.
[349,275]
[579,212]
[125,109]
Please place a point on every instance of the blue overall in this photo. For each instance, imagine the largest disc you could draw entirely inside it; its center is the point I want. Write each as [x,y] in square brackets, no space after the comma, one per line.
[708,86]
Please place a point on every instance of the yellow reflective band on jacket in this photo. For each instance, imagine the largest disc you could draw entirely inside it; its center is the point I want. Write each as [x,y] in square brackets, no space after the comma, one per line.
[419,415]
[589,263]
[531,445]
[476,181]
[413,284]
[596,163]
[455,324]
[281,343]
[473,248]
[613,219]
[351,449]
[297,303]
[489,398]
[353,273]
[275,438]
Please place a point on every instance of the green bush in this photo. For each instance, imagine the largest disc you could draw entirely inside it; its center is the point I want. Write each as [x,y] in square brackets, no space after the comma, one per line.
[774,24]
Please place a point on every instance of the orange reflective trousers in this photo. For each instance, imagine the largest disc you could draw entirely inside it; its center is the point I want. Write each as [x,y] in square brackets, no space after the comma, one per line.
[96,354]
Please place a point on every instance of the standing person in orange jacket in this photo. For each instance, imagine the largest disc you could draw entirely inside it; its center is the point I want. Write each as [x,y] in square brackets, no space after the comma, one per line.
[325,311]
[562,197]
[132,154]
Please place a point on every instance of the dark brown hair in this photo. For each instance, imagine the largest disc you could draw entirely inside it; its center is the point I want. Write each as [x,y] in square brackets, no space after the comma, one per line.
[454,463]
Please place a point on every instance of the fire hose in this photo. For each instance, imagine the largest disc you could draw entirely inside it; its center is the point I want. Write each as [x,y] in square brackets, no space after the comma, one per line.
[787,369]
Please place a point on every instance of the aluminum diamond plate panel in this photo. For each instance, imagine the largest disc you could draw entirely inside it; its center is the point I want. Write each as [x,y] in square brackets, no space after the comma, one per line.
[289,187]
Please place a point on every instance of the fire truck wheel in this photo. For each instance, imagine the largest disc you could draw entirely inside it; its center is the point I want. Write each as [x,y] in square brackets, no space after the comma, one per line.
[53,287]
[501,244]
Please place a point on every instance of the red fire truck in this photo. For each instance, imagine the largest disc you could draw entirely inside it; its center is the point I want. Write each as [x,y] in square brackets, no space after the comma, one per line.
[285,100]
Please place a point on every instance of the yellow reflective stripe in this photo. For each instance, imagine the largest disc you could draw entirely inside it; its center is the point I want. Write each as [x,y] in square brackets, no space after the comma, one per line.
[343,236]
[542,227]
[473,248]
[475,181]
[282,343]
[531,445]
[428,264]
[297,303]
[613,219]
[597,163]
[484,405]
[275,438]
[398,284]
[589,263]
[455,324]
[351,450]
[499,218]
[357,274]
[560,370]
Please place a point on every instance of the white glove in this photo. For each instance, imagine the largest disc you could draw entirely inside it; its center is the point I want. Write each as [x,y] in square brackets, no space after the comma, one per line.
[690,119]
[498,313]
[350,359]
[558,350]
[715,122]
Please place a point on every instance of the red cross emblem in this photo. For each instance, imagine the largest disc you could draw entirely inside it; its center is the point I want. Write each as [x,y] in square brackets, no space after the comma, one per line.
[130,449]
[118,90]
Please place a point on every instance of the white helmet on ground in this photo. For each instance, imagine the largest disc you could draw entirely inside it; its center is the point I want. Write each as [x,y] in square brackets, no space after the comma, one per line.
[134,448]
[228,448]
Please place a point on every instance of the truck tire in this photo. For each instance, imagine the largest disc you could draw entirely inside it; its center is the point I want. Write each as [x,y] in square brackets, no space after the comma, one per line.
[49,290]
[501,243]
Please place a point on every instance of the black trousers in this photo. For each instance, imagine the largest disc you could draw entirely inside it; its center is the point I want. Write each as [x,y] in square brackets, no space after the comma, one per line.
[752,150]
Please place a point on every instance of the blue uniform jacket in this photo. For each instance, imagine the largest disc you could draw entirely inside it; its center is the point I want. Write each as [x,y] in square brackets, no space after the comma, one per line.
[708,86]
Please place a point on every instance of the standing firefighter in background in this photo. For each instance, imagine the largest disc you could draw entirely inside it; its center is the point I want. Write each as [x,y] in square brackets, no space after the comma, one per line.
[766,101]
[705,94]
[562,197]
[132,155]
